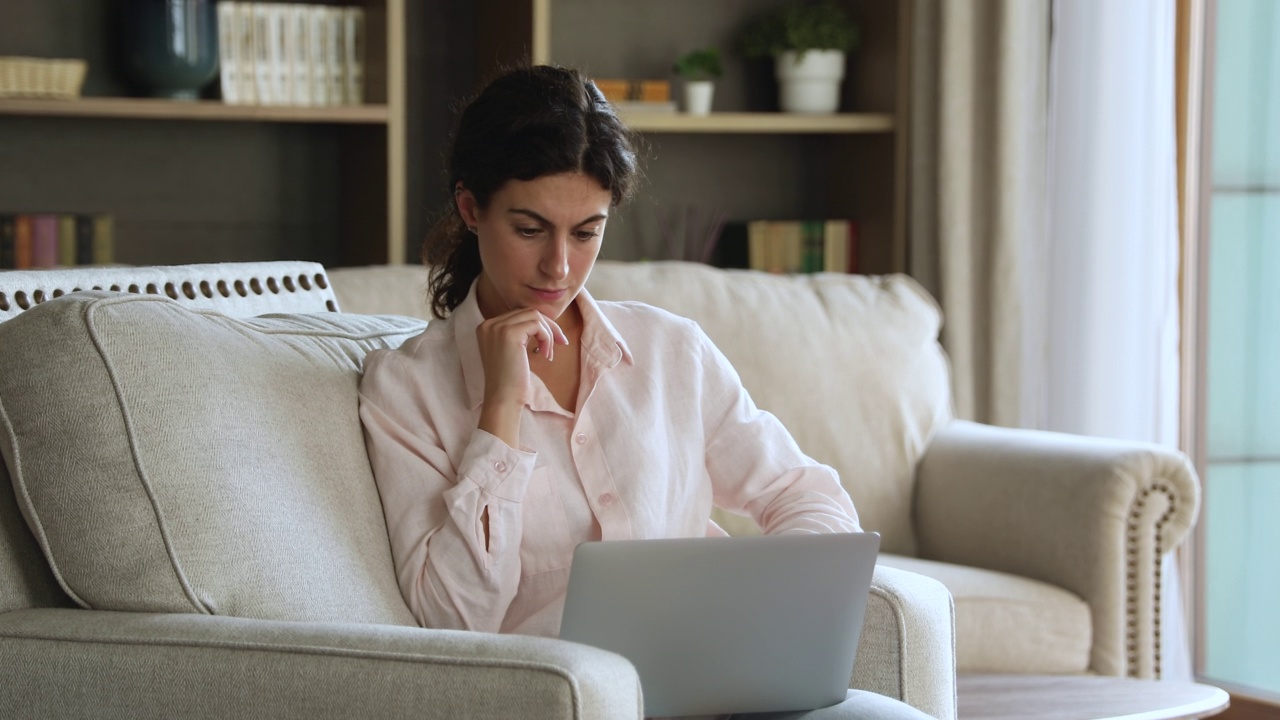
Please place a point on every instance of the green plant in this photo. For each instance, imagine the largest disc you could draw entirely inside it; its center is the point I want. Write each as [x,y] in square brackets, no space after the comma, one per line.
[702,64]
[799,25]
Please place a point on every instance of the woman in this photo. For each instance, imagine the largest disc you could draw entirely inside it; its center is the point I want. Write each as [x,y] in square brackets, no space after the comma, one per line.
[533,418]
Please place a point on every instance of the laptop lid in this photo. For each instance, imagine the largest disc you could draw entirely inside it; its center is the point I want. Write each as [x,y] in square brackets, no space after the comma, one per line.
[726,625]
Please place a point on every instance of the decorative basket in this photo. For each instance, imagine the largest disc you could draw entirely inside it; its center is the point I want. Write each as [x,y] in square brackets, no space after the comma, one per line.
[41,78]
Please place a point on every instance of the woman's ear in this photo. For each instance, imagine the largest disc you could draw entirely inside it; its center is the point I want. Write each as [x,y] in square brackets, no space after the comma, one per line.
[468,208]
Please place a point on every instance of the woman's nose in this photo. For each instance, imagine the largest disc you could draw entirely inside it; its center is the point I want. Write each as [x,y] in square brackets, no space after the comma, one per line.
[555,258]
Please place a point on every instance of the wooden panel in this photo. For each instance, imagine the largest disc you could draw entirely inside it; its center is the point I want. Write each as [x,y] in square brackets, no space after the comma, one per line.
[860,185]
[504,37]
[364,191]
[181,192]
[104,107]
[759,123]
[704,174]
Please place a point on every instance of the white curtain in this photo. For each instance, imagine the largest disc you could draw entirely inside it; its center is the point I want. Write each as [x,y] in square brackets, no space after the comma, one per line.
[1100,292]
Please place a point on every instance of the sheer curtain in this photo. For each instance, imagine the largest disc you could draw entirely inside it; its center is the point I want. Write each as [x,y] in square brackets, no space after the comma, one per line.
[1101,291]
[1044,217]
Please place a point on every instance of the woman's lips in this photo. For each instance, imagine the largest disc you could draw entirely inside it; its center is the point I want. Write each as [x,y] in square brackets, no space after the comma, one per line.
[548,295]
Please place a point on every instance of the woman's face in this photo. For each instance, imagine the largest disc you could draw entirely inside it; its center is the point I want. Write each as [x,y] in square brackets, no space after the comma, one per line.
[538,241]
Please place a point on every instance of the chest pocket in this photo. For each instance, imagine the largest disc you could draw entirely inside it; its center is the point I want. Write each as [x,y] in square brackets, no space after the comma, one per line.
[545,544]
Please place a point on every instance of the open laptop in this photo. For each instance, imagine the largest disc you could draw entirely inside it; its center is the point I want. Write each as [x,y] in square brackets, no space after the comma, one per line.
[726,625]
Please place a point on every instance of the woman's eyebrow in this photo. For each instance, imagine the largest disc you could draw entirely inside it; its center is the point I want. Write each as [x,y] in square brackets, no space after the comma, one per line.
[531,214]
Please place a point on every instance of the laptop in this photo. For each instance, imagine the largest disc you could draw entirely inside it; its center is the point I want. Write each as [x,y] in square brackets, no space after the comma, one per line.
[726,625]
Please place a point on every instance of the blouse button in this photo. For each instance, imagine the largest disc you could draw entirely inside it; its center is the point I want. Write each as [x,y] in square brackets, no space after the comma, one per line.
[500,466]
[582,439]
[606,499]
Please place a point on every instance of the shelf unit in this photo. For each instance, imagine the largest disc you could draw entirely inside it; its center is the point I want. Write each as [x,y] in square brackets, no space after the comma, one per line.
[745,159]
[205,181]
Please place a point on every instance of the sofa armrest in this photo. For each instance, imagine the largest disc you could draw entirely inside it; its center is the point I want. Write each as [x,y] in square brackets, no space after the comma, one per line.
[1090,515]
[907,649]
[81,663]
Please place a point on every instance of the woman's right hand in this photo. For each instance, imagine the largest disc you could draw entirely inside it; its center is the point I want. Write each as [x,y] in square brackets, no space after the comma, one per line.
[506,341]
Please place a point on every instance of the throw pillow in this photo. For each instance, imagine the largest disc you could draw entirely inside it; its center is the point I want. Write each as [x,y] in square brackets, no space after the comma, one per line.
[171,460]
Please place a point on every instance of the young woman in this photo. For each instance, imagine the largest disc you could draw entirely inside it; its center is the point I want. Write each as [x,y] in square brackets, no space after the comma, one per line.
[531,417]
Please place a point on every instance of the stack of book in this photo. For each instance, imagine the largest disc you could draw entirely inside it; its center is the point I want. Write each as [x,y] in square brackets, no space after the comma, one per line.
[37,240]
[290,54]
[789,246]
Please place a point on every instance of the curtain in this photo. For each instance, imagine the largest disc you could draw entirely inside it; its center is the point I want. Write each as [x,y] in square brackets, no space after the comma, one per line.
[1105,288]
[979,112]
[1044,217]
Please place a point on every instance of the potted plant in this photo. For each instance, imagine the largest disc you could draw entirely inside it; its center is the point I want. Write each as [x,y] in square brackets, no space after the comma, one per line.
[808,40]
[699,70]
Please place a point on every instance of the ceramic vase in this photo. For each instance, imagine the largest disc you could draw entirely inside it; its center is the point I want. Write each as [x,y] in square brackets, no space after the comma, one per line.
[698,95]
[169,48]
[809,82]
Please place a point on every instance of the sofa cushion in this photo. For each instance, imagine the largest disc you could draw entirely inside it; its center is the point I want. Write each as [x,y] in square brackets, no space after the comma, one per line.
[25,578]
[170,460]
[849,363]
[1010,624]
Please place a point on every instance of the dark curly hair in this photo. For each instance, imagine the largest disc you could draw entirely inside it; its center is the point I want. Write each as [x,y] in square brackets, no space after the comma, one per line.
[529,122]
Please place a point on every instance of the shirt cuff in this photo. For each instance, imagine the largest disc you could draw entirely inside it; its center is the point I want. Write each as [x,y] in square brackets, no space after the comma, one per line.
[496,467]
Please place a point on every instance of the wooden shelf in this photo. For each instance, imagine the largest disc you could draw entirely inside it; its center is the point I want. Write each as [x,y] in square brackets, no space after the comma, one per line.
[760,123]
[149,109]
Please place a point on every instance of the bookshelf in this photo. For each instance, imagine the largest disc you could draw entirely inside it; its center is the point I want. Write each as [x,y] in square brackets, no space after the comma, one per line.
[205,181]
[745,159]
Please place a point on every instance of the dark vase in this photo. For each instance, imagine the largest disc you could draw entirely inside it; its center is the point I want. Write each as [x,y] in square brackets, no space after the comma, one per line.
[169,48]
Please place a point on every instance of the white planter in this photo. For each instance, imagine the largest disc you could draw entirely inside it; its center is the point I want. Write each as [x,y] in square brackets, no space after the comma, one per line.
[810,83]
[697,96]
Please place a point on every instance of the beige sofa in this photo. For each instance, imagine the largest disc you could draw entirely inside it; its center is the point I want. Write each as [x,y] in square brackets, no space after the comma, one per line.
[1050,544]
[189,527]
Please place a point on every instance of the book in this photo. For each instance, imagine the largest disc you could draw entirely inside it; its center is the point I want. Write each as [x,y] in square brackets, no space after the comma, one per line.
[84,239]
[281,69]
[104,239]
[813,245]
[337,81]
[246,58]
[835,246]
[44,240]
[319,63]
[22,250]
[298,52]
[733,248]
[353,54]
[66,239]
[852,265]
[7,231]
[261,36]
[228,57]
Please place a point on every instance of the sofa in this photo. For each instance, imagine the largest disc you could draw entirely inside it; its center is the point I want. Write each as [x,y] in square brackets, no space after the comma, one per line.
[1051,545]
[189,525]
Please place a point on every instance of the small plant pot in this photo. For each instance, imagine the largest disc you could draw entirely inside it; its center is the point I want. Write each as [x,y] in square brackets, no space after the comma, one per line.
[698,95]
[810,83]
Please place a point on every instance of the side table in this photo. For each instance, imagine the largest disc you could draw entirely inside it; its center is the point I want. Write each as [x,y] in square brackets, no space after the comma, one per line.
[1084,697]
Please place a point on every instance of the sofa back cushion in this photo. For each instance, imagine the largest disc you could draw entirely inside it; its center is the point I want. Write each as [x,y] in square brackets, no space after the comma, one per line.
[170,460]
[849,363]
[25,578]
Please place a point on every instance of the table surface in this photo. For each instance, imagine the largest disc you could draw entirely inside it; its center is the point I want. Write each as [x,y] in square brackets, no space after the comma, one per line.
[1074,697]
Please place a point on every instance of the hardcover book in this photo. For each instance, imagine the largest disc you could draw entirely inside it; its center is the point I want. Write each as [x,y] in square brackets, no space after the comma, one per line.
[7,231]
[44,240]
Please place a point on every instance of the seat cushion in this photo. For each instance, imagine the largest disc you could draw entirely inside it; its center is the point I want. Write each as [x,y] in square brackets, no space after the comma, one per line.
[171,460]
[1010,624]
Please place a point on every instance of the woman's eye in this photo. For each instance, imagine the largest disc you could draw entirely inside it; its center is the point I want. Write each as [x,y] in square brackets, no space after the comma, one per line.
[585,235]
[528,231]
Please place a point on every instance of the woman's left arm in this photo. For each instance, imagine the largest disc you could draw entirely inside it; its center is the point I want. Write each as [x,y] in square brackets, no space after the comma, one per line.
[755,465]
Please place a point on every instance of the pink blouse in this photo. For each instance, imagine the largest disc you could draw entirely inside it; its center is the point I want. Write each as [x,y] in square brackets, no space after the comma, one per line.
[663,430]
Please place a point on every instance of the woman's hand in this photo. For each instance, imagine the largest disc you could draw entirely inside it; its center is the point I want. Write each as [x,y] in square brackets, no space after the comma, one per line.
[505,344]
